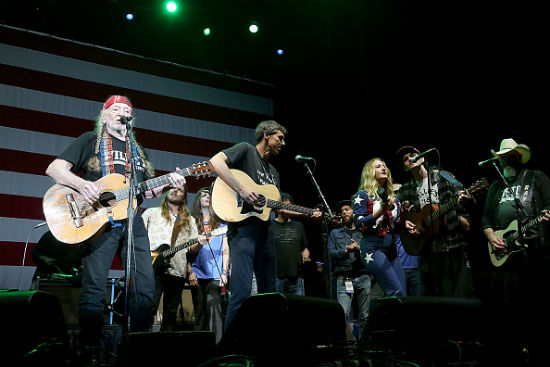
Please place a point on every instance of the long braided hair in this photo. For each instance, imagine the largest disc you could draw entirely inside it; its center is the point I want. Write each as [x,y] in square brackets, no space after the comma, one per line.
[94,164]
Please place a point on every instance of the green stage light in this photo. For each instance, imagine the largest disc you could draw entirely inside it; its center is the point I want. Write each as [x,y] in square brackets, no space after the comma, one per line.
[206,31]
[171,6]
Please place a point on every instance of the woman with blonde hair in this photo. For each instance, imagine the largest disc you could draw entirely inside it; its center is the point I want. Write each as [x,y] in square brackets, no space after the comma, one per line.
[377,213]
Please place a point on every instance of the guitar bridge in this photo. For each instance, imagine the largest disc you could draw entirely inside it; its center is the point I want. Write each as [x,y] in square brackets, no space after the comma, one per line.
[73,209]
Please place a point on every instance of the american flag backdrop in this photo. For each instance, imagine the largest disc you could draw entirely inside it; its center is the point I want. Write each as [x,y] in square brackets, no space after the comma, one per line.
[51,91]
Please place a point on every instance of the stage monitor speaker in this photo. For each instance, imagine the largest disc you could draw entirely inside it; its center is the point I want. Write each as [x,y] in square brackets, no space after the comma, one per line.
[422,327]
[68,295]
[285,328]
[176,348]
[33,328]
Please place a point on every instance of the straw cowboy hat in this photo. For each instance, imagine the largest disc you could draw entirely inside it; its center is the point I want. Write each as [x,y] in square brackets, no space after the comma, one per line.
[507,145]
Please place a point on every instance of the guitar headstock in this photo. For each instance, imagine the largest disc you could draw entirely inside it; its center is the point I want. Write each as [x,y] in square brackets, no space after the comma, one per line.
[219,231]
[479,185]
[200,169]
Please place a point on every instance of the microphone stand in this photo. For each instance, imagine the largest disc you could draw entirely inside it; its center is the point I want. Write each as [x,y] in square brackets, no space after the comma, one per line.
[324,231]
[130,233]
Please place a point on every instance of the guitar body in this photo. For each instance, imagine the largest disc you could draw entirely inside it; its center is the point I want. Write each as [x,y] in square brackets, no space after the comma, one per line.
[74,222]
[413,244]
[230,207]
[160,263]
[500,256]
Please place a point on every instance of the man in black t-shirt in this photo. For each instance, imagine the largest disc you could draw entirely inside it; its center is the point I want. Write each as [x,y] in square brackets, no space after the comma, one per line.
[99,153]
[56,260]
[252,250]
[291,249]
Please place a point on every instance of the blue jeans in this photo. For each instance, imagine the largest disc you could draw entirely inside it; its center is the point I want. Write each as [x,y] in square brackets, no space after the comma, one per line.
[361,290]
[252,252]
[379,255]
[96,265]
[294,285]
[414,282]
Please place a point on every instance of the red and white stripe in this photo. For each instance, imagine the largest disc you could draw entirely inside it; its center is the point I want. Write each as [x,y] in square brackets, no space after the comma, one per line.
[52,90]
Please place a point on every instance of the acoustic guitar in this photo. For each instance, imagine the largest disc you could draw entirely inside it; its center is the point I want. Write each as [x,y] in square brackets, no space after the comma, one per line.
[231,207]
[429,219]
[162,255]
[73,220]
[511,238]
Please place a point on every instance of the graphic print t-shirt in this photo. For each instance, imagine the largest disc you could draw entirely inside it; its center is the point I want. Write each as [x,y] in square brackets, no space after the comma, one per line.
[82,150]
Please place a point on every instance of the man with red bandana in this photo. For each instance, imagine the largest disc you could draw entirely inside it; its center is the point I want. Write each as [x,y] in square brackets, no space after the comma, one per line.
[97,153]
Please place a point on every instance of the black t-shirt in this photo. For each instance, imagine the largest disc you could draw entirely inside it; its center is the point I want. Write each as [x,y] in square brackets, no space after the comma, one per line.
[66,257]
[290,241]
[82,150]
[531,187]
[245,157]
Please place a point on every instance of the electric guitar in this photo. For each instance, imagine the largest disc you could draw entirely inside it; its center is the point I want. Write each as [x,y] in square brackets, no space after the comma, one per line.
[231,207]
[73,220]
[161,256]
[511,239]
[428,220]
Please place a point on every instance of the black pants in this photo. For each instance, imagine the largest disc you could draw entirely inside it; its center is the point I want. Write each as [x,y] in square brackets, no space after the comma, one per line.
[172,288]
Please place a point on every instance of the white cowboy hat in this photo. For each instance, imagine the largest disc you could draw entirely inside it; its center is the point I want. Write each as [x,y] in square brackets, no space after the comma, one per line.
[507,145]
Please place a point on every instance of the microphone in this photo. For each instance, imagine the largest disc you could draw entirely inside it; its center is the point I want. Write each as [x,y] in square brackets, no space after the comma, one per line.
[124,120]
[382,193]
[421,155]
[487,161]
[40,224]
[301,158]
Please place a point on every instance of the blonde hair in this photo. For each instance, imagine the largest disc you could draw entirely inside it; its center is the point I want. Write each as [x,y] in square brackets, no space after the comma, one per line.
[368,181]
[94,164]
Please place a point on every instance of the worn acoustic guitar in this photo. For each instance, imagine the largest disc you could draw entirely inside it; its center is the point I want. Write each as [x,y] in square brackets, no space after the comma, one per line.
[73,220]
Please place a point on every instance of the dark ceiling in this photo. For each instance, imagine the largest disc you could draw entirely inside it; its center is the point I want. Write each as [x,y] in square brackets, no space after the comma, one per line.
[358,78]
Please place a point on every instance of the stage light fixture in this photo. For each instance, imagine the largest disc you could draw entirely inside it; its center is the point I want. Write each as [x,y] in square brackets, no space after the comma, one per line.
[171,6]
[253,28]
[206,31]
[280,51]
[130,16]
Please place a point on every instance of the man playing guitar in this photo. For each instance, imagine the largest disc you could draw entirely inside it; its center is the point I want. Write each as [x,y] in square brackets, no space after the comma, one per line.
[252,250]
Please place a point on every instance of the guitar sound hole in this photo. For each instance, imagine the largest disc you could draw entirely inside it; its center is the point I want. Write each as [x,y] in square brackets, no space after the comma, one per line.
[261,201]
[106,199]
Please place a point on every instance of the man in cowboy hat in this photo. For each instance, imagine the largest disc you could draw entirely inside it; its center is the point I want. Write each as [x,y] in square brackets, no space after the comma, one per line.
[525,195]
[352,279]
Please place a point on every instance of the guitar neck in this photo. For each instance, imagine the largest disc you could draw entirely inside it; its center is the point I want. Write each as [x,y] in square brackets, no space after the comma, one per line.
[149,184]
[173,250]
[287,206]
[531,223]
[159,181]
[445,208]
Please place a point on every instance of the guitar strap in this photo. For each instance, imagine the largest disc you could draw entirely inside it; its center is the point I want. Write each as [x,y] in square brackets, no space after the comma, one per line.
[175,230]
[449,177]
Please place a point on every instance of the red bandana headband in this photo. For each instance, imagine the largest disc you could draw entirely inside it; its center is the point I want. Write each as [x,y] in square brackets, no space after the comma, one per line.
[117,99]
